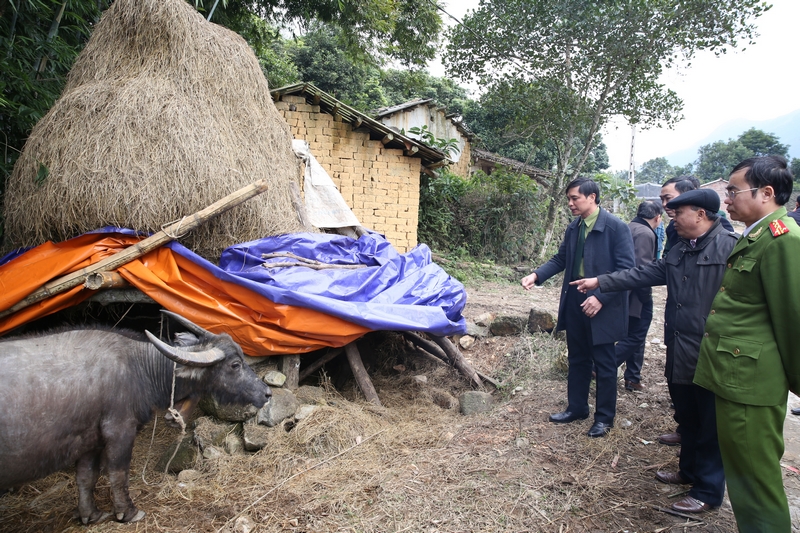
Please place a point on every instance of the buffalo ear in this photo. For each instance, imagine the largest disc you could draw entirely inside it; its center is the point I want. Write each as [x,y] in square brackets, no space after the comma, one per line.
[185,357]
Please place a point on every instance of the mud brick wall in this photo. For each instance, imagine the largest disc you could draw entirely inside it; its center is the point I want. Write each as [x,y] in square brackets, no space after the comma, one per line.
[380,184]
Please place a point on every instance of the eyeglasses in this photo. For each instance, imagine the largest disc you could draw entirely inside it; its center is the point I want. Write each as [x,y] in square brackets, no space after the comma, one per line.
[730,193]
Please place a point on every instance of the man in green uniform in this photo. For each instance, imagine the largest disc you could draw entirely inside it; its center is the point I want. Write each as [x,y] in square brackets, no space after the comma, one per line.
[749,356]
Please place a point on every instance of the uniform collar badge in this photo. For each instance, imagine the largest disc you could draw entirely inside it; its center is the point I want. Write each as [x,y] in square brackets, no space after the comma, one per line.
[778,228]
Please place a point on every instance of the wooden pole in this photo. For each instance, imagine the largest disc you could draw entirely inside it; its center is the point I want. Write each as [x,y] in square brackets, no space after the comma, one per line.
[171,232]
[316,365]
[458,359]
[360,373]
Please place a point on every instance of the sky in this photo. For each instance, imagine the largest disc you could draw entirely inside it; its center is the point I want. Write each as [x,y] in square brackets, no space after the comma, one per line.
[759,83]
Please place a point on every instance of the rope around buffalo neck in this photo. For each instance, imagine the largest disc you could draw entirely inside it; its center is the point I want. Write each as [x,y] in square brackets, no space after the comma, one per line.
[176,415]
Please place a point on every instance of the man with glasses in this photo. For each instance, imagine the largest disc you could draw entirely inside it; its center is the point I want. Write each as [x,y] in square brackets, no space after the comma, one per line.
[749,357]
[692,272]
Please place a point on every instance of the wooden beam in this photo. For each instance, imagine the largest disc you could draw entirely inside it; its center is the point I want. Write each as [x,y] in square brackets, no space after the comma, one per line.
[357,122]
[316,99]
[389,137]
[413,150]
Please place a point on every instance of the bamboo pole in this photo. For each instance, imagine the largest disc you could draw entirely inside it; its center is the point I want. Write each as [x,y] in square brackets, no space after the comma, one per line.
[139,249]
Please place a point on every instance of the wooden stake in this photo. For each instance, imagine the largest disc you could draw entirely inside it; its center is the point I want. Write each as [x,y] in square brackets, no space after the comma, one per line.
[360,373]
[458,359]
[171,232]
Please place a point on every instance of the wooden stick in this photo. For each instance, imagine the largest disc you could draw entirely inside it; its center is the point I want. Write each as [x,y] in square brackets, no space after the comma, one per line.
[316,365]
[360,373]
[429,348]
[458,359]
[682,515]
[312,267]
[127,255]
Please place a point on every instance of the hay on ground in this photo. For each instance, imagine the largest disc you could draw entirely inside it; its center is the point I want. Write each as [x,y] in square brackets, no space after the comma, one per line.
[163,114]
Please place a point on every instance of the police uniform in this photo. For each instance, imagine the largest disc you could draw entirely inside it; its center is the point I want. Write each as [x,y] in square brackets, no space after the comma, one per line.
[750,359]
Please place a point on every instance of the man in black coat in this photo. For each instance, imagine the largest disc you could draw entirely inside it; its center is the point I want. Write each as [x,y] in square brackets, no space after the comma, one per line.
[693,271]
[594,243]
[630,350]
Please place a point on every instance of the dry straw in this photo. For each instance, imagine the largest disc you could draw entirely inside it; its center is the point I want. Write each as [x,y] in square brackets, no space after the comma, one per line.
[163,114]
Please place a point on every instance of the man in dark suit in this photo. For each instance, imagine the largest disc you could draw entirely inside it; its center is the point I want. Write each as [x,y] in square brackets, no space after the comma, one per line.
[594,243]
[796,216]
[630,350]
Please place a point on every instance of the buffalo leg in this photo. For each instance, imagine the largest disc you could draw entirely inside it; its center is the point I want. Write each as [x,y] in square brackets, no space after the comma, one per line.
[87,471]
[118,453]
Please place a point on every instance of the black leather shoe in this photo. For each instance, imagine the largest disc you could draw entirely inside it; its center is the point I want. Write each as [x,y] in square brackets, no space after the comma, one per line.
[565,417]
[671,478]
[599,429]
[796,410]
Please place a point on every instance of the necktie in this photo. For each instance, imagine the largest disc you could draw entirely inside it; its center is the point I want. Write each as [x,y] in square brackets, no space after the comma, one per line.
[576,265]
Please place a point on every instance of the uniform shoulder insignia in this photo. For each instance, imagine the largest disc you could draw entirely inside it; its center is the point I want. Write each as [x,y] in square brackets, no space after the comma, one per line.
[778,228]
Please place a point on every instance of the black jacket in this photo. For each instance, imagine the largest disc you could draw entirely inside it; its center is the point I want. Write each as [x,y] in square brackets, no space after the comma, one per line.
[608,248]
[693,277]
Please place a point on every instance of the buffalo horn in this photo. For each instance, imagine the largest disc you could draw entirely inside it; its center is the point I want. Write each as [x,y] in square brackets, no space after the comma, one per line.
[185,357]
[191,326]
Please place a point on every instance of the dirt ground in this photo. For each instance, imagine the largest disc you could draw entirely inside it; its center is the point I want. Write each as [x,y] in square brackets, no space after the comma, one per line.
[416,464]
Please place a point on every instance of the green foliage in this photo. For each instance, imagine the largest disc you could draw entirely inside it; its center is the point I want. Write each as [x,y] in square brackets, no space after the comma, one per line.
[448,146]
[496,217]
[571,64]
[795,166]
[659,170]
[39,40]
[761,143]
[405,85]
[716,160]
[401,30]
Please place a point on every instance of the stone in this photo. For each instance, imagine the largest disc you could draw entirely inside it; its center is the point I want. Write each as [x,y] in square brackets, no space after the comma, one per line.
[304,411]
[212,452]
[209,432]
[484,319]
[474,330]
[419,380]
[507,326]
[273,378]
[283,404]
[466,342]
[189,475]
[254,437]
[473,402]
[541,320]
[309,394]
[228,412]
[233,444]
[185,458]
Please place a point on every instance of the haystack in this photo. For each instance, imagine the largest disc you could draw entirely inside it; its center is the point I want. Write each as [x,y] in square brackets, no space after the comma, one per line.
[163,114]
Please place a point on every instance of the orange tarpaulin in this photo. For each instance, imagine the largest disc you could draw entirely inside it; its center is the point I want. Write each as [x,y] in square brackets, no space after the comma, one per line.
[259,325]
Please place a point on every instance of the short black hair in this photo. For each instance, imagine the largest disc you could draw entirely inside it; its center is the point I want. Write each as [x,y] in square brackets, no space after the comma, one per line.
[648,210]
[769,170]
[586,187]
[684,183]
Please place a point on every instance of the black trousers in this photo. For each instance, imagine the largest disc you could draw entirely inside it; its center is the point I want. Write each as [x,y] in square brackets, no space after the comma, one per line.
[583,354]
[701,460]
[630,350]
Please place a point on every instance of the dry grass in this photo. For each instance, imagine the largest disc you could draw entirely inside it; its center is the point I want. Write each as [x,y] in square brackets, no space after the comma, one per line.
[412,465]
[163,114]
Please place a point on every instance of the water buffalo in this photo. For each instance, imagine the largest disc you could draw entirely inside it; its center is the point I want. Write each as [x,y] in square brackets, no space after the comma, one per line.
[78,397]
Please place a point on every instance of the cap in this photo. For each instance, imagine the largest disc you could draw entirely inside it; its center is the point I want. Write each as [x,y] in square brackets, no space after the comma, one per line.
[704,198]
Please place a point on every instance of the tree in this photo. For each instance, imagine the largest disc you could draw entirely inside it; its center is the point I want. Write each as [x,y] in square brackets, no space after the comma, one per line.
[795,166]
[761,143]
[658,170]
[403,30]
[716,160]
[581,62]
